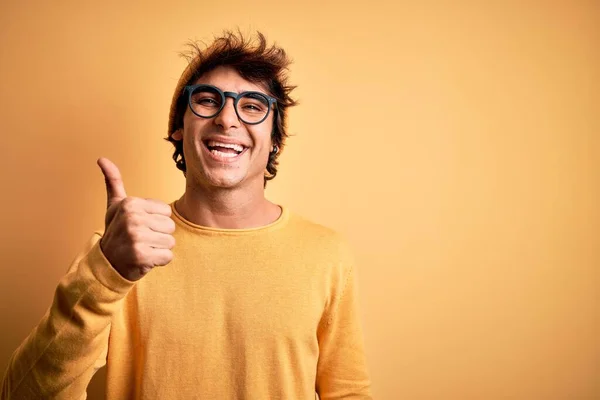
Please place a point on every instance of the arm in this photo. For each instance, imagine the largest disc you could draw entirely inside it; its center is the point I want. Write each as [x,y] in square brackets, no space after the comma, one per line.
[59,357]
[342,370]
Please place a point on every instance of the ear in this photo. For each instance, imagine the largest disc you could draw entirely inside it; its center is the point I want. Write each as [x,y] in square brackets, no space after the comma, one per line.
[177,135]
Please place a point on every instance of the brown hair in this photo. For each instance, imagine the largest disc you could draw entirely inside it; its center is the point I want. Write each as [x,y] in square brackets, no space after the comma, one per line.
[255,62]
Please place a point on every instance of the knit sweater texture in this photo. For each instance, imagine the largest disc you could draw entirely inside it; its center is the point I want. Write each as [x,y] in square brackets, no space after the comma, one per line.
[261,313]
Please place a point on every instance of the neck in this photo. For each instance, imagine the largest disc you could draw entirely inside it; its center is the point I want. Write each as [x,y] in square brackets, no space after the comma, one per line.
[226,209]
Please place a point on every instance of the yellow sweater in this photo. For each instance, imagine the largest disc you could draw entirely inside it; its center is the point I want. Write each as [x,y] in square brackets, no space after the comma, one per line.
[263,313]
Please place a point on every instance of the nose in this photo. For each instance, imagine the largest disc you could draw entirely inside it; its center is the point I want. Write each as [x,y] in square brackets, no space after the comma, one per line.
[228,118]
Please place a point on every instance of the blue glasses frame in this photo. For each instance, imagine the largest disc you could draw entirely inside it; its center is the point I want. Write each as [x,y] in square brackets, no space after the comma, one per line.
[235,96]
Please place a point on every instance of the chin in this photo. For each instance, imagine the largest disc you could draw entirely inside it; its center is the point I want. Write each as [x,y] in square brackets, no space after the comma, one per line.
[226,183]
[225,178]
[222,180]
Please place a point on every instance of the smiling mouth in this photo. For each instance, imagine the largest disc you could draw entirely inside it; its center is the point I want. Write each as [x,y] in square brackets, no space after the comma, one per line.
[224,150]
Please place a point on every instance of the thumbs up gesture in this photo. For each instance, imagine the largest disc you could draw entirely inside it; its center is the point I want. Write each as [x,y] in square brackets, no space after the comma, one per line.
[138,233]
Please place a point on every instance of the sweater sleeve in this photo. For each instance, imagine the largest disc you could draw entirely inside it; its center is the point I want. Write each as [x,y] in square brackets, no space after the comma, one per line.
[59,357]
[342,368]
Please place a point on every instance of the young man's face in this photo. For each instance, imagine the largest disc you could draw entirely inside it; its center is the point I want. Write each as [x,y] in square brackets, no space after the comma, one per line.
[209,164]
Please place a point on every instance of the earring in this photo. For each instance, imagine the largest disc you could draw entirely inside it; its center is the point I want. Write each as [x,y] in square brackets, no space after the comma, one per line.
[275,150]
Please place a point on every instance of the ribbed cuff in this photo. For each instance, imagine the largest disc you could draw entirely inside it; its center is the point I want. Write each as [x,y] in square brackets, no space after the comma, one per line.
[105,273]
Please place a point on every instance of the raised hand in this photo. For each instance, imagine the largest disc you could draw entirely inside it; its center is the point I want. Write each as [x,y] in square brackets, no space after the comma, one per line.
[138,232]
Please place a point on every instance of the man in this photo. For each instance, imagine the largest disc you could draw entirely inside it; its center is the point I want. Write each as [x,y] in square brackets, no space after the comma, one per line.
[220,294]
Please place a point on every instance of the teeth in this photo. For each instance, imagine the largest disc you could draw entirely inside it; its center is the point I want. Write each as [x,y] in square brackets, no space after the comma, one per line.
[221,154]
[233,146]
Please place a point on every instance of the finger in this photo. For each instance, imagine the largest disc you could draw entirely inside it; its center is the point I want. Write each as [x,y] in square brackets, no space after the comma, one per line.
[160,241]
[161,224]
[115,190]
[152,206]
[160,257]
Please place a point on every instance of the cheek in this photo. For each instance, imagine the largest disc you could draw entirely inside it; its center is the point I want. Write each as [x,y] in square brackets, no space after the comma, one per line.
[192,128]
[262,140]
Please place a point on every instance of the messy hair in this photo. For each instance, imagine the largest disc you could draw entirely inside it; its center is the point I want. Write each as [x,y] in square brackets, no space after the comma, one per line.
[255,62]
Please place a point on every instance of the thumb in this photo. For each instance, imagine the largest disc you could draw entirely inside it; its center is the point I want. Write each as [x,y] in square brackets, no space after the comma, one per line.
[115,190]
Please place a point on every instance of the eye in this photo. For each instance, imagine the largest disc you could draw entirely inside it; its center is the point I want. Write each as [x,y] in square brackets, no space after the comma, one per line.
[253,103]
[252,107]
[206,101]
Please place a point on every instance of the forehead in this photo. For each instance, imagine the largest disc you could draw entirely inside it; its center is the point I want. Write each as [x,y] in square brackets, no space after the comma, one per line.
[228,79]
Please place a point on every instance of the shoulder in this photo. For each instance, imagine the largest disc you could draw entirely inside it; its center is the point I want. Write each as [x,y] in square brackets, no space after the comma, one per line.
[319,238]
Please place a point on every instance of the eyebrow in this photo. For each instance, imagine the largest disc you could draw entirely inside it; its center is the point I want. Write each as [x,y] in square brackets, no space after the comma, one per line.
[236,94]
[263,90]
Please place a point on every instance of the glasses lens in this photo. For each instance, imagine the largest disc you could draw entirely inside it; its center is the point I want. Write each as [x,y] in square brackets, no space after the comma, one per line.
[252,107]
[206,101]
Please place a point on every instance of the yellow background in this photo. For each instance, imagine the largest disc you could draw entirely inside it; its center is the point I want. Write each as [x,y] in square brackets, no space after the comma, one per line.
[455,143]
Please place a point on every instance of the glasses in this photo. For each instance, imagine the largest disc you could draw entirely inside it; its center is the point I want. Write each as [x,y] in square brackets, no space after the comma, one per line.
[207,101]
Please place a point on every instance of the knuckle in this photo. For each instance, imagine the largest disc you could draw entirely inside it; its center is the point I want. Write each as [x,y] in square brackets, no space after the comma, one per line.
[131,204]
[126,204]
[133,219]
[164,224]
[163,258]
[136,236]
[131,231]
[166,227]
[138,253]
